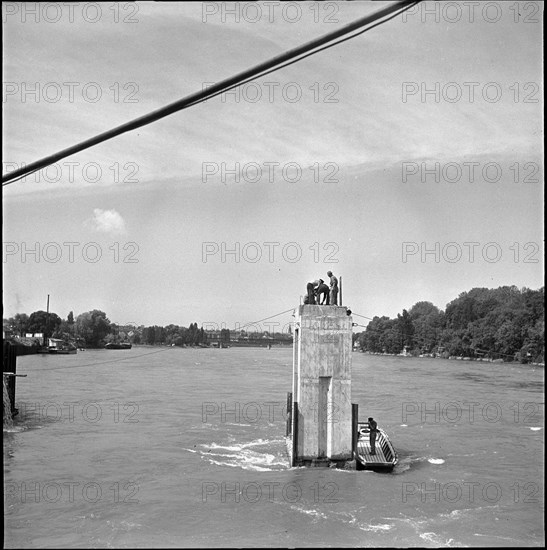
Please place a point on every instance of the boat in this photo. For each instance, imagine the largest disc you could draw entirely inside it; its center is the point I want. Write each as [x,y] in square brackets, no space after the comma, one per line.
[118,345]
[385,458]
[67,349]
[61,347]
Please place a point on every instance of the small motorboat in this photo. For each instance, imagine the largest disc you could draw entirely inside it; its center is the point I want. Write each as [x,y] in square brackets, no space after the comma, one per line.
[118,345]
[385,457]
[61,347]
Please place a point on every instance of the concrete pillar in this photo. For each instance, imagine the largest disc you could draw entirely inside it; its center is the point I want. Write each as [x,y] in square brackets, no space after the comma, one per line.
[322,429]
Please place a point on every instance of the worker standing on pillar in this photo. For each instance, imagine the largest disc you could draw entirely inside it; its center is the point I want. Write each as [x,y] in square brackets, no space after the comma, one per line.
[373,427]
[333,289]
[322,290]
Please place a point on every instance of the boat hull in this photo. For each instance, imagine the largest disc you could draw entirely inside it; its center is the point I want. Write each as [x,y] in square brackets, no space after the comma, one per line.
[385,458]
[117,346]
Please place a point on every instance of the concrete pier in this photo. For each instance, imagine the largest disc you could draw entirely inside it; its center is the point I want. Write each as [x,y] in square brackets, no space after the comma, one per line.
[320,430]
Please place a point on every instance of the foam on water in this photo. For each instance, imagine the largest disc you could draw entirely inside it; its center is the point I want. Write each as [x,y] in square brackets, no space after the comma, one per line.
[242,455]
[412,462]
[13,429]
[436,539]
[347,518]
[310,512]
[455,514]
[236,424]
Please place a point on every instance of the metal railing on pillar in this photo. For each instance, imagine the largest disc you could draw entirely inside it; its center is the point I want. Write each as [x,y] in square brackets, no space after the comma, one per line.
[295,434]
[354,429]
[289,414]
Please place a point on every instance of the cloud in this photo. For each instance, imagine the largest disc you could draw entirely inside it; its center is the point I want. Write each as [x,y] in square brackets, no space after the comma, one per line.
[106,221]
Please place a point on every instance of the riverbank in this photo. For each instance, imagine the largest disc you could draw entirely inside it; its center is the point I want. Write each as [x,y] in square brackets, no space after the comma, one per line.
[453,358]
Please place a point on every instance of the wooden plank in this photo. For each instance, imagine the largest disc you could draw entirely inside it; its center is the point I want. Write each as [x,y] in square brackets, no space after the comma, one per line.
[364,452]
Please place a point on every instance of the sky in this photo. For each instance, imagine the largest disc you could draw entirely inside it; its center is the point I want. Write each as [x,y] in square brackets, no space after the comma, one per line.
[407,160]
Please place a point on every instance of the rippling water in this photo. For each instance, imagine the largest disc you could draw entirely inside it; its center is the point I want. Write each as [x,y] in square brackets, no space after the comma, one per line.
[184,448]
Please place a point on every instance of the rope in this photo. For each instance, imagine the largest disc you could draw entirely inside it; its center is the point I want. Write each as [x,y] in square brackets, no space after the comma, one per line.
[353,313]
[106,362]
[271,317]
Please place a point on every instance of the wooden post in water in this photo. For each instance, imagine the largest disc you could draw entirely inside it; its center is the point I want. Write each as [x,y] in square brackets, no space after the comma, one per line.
[9,364]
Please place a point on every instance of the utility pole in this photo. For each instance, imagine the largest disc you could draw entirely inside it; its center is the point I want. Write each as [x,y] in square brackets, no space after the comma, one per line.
[47,321]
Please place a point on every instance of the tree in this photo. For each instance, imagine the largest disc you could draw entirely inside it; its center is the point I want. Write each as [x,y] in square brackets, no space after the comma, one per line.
[406,329]
[19,323]
[159,335]
[533,348]
[172,334]
[93,326]
[427,322]
[149,336]
[41,321]
[375,336]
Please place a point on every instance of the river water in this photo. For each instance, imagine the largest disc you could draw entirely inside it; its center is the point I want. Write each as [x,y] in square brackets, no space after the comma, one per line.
[154,447]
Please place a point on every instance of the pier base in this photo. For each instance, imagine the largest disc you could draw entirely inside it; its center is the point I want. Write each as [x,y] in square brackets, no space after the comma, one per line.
[318,462]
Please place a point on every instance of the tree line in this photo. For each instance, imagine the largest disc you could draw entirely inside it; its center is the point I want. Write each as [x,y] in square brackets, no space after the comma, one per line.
[93,329]
[503,323]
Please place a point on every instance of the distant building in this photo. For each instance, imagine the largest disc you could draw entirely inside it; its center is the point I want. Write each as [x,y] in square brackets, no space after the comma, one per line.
[55,343]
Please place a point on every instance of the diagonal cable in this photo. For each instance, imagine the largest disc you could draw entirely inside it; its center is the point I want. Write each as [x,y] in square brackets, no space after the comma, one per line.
[261,69]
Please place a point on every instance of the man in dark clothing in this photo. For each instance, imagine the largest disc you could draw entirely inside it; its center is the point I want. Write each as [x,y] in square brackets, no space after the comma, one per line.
[373,426]
[311,289]
[333,289]
[324,290]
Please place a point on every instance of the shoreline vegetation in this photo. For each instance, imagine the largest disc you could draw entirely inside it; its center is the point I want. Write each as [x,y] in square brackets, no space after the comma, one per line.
[492,325]
[449,358]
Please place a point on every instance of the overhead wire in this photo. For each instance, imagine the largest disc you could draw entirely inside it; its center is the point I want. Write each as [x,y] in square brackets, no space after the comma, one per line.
[274,64]
[117,360]
[266,318]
